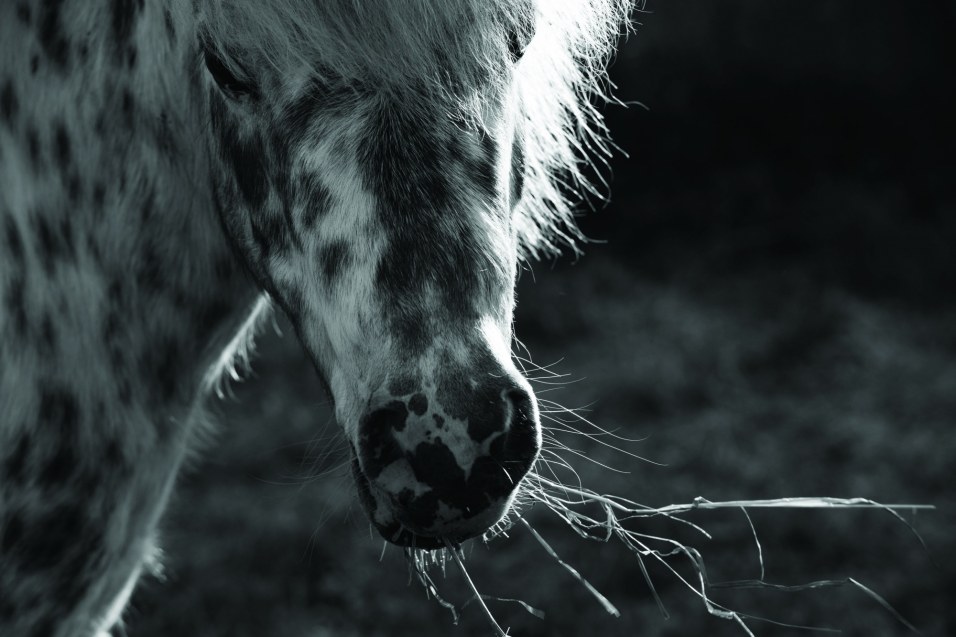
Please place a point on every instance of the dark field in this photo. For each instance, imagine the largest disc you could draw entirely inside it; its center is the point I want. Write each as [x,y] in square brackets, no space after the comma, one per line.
[773,314]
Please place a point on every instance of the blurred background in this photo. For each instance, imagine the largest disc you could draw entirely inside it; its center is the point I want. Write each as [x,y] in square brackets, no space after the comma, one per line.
[769,306]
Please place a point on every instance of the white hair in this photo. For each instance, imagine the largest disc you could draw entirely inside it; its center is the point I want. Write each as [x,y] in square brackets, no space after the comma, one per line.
[392,43]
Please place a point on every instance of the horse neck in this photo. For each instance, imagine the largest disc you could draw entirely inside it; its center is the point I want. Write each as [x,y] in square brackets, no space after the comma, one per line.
[204,294]
[146,279]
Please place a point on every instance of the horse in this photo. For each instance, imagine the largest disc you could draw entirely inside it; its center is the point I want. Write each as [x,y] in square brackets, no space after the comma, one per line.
[172,170]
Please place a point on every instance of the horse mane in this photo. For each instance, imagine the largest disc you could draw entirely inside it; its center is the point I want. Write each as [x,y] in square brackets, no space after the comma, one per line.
[392,43]
[560,78]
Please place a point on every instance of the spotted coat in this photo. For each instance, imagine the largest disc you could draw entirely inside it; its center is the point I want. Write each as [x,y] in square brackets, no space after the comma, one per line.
[161,187]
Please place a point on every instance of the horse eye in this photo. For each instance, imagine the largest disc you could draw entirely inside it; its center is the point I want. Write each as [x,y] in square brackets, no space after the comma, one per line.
[231,85]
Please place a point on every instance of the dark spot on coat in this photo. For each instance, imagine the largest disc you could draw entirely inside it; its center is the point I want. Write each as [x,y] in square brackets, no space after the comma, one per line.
[62,147]
[249,168]
[23,13]
[411,325]
[162,364]
[113,452]
[8,609]
[124,392]
[14,466]
[179,298]
[33,148]
[66,237]
[432,242]
[93,249]
[243,155]
[410,175]
[485,422]
[333,258]
[44,626]
[52,37]
[482,406]
[15,303]
[436,465]
[61,466]
[47,335]
[403,386]
[11,532]
[378,447]
[115,346]
[9,105]
[482,168]
[299,115]
[126,105]
[68,591]
[114,293]
[34,64]
[53,535]
[317,203]
[58,407]
[163,134]
[150,272]
[148,208]
[420,512]
[418,404]
[13,241]
[269,232]
[53,243]
[122,21]
[99,195]
[74,188]
[170,27]
[47,244]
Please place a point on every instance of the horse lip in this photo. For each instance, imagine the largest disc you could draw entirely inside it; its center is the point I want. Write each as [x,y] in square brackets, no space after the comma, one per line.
[400,536]
[396,533]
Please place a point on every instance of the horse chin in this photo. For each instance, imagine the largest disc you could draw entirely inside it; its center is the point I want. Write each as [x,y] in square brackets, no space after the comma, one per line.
[391,528]
[400,536]
[392,531]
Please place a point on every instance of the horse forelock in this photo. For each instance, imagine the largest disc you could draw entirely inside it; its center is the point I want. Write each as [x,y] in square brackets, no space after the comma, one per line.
[458,51]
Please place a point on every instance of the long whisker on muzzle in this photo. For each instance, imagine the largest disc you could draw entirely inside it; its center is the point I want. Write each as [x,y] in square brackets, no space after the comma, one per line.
[555,485]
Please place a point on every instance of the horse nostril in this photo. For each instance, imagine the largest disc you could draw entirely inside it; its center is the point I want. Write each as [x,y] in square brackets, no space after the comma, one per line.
[521,442]
[521,412]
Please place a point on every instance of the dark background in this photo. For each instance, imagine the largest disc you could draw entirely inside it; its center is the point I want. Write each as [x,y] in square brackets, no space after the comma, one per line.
[773,313]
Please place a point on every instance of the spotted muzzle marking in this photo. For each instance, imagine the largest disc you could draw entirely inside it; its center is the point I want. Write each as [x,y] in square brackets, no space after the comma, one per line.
[426,473]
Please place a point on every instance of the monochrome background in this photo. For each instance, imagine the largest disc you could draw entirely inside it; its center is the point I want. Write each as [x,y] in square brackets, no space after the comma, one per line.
[769,307]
